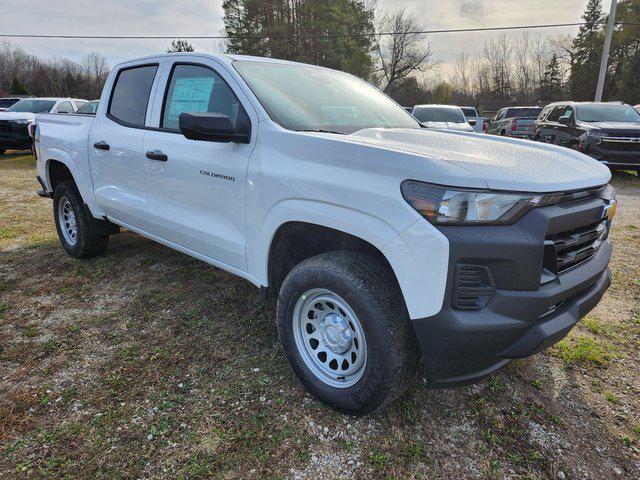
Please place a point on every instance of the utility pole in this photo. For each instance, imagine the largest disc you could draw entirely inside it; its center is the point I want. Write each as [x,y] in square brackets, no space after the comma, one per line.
[605,51]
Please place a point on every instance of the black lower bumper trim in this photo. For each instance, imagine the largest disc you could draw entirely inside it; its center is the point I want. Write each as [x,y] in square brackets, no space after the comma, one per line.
[461,347]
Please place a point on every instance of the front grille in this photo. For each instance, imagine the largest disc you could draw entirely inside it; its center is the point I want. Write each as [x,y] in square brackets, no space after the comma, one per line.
[5,126]
[569,249]
[621,146]
[623,134]
[580,195]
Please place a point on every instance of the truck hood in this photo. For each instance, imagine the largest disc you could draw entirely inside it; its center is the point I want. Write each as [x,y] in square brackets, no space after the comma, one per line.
[614,126]
[17,116]
[463,127]
[501,163]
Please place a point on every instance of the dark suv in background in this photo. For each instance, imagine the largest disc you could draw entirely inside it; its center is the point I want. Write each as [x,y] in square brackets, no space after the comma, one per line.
[608,132]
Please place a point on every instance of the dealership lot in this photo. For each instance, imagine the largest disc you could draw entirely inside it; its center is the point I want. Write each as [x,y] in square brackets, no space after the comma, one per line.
[148,363]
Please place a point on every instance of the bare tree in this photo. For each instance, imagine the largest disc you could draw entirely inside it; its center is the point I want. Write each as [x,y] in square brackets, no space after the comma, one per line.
[463,78]
[403,53]
[95,71]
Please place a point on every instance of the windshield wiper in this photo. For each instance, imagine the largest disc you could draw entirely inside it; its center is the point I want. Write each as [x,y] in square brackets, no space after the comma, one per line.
[319,130]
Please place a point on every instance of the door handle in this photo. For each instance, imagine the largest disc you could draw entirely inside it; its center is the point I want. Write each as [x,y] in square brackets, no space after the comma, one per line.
[101,145]
[157,155]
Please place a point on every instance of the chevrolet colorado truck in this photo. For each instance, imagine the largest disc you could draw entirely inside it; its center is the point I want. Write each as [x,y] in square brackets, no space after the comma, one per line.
[384,243]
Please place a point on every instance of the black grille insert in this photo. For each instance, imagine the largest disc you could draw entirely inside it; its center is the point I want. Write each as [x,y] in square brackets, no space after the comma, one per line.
[568,249]
[5,126]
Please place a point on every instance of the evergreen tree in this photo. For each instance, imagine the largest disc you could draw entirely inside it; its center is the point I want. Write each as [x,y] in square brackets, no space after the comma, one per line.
[18,88]
[551,88]
[587,52]
[180,46]
[291,29]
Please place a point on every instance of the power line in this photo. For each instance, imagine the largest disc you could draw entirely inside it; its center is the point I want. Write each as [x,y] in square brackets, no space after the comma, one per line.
[304,35]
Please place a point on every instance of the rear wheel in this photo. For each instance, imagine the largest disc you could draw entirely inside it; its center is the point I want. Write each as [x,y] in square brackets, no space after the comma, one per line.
[77,229]
[345,331]
[2,150]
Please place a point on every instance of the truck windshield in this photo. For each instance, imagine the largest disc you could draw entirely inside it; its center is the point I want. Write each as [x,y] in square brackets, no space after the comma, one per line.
[606,113]
[33,106]
[314,99]
[430,114]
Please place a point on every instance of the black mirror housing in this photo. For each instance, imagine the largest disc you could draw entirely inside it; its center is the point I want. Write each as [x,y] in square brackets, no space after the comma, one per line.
[212,127]
[473,122]
[565,120]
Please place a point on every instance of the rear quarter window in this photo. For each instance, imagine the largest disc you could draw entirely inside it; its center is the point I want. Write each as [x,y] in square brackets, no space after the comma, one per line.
[130,95]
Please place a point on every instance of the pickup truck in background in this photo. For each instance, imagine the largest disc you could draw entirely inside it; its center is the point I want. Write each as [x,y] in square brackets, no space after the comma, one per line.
[447,117]
[471,114]
[608,132]
[383,242]
[15,121]
[515,122]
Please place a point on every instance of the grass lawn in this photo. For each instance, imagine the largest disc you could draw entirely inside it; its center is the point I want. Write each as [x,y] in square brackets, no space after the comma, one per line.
[145,363]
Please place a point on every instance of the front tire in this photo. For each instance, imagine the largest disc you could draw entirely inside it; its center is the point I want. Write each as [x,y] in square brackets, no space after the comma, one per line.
[2,150]
[345,331]
[75,226]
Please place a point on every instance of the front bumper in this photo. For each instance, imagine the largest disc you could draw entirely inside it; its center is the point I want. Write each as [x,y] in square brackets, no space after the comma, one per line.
[14,136]
[616,155]
[530,308]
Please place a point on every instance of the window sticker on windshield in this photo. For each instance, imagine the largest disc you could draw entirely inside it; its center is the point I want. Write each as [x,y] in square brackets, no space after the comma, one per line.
[190,95]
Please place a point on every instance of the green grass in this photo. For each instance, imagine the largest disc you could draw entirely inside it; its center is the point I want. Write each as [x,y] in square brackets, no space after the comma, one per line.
[584,351]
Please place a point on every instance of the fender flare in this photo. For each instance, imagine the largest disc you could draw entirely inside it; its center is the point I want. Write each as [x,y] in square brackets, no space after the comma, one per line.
[407,262]
[81,178]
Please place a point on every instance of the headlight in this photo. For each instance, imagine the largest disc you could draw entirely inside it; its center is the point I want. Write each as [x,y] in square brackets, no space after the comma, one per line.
[448,206]
[21,122]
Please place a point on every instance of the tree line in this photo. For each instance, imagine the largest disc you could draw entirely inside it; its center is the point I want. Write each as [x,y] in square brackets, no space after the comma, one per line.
[384,48]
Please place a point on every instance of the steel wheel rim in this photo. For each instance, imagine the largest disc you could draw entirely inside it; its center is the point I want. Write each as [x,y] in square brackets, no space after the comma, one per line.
[67,221]
[329,338]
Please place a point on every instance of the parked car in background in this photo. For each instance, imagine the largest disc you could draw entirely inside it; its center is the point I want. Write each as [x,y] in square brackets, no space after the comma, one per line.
[514,122]
[447,117]
[408,109]
[89,108]
[471,113]
[383,242]
[608,132]
[14,123]
[7,102]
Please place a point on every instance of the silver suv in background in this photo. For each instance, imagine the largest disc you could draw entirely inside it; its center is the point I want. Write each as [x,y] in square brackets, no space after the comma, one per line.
[514,122]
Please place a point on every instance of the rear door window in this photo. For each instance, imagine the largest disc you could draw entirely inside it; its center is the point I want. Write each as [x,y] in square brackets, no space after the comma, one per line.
[130,95]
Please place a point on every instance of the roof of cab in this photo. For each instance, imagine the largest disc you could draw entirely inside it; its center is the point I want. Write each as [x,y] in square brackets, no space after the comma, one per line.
[223,58]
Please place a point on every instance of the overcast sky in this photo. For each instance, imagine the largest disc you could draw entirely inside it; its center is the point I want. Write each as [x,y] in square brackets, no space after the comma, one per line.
[204,17]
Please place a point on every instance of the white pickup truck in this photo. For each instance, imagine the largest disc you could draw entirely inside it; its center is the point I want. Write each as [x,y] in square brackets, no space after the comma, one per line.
[383,242]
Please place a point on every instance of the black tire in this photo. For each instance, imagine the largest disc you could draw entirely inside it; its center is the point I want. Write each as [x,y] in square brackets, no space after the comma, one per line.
[89,240]
[373,295]
[2,150]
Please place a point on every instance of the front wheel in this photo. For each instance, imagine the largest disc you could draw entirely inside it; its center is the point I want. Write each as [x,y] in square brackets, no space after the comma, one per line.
[345,331]
[75,226]
[2,150]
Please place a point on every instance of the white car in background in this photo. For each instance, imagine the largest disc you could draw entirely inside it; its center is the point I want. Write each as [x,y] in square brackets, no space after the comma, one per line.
[444,117]
[471,113]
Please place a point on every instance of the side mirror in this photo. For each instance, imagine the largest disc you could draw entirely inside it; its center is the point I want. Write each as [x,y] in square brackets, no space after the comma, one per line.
[565,120]
[211,127]
[473,123]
